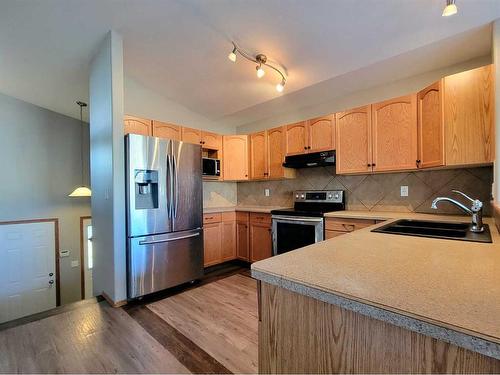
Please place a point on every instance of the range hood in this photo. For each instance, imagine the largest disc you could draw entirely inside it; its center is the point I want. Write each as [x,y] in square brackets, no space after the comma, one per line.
[316,159]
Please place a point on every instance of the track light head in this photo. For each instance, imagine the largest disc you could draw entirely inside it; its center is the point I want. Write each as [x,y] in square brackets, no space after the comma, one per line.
[260,71]
[280,86]
[450,9]
[232,55]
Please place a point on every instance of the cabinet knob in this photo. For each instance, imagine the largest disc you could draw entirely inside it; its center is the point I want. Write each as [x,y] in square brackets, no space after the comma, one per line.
[305,147]
[373,164]
[368,165]
[418,163]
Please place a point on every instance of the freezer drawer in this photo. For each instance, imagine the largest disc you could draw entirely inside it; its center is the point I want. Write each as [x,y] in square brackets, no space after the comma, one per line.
[163,261]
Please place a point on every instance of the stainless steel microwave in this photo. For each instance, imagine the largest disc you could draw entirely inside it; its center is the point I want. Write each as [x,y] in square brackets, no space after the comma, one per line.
[211,167]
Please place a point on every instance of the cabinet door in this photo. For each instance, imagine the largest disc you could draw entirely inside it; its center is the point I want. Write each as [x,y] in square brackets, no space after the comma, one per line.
[354,152]
[430,127]
[136,125]
[276,153]
[296,138]
[258,156]
[260,241]
[321,132]
[211,141]
[242,241]
[166,130]
[228,240]
[191,135]
[394,134]
[235,161]
[469,117]
[212,243]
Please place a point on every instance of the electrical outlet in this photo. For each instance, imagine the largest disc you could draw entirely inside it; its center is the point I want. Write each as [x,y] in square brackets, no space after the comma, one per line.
[75,263]
[404,191]
[267,192]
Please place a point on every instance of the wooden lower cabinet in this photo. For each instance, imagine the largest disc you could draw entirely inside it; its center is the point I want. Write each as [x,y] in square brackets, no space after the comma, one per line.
[212,243]
[242,236]
[299,334]
[335,227]
[228,251]
[260,236]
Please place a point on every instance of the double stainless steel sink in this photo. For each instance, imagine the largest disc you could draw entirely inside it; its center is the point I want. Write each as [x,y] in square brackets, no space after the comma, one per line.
[435,229]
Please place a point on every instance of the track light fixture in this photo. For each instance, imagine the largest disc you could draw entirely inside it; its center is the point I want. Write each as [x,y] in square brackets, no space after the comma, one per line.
[261,61]
[450,9]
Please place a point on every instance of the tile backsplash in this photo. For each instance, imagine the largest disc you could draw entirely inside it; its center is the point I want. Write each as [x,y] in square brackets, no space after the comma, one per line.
[378,192]
[219,194]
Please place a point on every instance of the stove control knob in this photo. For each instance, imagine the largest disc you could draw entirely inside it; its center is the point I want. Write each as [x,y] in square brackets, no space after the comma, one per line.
[302,196]
[297,196]
[329,196]
[336,195]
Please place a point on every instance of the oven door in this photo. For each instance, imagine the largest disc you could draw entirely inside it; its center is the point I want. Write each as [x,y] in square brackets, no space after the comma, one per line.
[293,232]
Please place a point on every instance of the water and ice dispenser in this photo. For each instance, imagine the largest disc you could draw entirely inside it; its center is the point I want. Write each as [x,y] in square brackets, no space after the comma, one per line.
[146,189]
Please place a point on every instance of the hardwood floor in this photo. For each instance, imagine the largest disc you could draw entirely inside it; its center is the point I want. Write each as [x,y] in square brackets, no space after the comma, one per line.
[208,328]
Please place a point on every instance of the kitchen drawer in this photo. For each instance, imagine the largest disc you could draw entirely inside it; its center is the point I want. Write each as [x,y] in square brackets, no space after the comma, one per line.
[333,233]
[229,216]
[212,218]
[347,225]
[260,218]
[242,216]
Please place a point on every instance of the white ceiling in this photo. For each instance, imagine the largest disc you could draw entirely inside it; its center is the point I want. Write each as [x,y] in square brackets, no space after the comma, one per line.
[179,48]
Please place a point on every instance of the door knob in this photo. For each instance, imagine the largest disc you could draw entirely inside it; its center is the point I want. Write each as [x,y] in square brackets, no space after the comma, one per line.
[51,282]
[51,274]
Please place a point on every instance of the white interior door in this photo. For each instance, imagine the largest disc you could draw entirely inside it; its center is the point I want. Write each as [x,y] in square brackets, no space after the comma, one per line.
[27,269]
[87,258]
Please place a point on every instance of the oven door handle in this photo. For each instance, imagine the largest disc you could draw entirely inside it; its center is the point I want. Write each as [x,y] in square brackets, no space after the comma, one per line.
[297,219]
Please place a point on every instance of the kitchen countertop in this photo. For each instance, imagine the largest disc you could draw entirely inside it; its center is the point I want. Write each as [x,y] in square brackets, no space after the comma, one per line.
[446,289]
[260,209]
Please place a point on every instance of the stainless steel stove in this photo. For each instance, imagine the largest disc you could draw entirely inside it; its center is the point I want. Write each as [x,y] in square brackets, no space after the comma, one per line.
[303,224]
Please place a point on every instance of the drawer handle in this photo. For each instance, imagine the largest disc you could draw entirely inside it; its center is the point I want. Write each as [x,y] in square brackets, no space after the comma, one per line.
[209,218]
[349,227]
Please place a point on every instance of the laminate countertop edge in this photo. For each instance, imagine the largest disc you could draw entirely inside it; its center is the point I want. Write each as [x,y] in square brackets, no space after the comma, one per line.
[453,336]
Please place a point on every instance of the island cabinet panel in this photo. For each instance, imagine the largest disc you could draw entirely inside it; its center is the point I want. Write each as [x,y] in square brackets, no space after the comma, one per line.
[353,141]
[300,334]
[469,117]
[296,138]
[191,135]
[258,156]
[137,125]
[235,163]
[430,126]
[166,130]
[242,236]
[321,132]
[260,236]
[394,134]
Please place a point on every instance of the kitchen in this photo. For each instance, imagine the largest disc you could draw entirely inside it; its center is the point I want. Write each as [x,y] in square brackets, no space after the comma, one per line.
[344,226]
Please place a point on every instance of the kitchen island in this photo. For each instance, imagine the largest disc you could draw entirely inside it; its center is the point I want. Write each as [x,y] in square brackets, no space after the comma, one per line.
[371,302]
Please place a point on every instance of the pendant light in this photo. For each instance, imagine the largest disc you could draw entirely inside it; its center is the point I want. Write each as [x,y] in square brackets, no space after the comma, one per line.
[82,191]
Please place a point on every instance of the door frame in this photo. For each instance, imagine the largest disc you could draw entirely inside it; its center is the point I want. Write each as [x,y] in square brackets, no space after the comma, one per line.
[82,257]
[56,238]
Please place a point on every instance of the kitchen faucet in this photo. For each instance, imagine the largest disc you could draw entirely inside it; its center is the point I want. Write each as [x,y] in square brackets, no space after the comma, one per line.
[476,211]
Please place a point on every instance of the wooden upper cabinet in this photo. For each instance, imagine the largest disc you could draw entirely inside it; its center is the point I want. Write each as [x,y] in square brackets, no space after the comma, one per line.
[469,117]
[430,126]
[394,134]
[321,133]
[353,138]
[136,125]
[211,141]
[166,130]
[276,154]
[191,135]
[296,138]
[235,162]
[258,155]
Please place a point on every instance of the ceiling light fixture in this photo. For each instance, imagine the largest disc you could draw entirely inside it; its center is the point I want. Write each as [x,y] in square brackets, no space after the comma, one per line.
[450,9]
[82,191]
[261,60]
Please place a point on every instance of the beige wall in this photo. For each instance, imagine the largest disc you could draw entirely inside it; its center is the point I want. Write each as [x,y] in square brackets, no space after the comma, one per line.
[378,93]
[40,163]
[378,192]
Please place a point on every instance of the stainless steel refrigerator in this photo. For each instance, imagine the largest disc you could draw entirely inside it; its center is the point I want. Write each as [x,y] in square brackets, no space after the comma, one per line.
[164,214]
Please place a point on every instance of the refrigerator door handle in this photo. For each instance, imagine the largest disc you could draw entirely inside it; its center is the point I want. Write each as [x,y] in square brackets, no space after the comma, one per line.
[170,188]
[176,182]
[169,239]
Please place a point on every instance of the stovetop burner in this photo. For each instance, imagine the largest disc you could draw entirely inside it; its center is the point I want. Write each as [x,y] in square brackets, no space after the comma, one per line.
[314,203]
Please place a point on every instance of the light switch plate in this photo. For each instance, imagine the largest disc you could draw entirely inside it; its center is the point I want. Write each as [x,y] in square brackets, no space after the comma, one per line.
[74,263]
[267,192]
[404,191]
